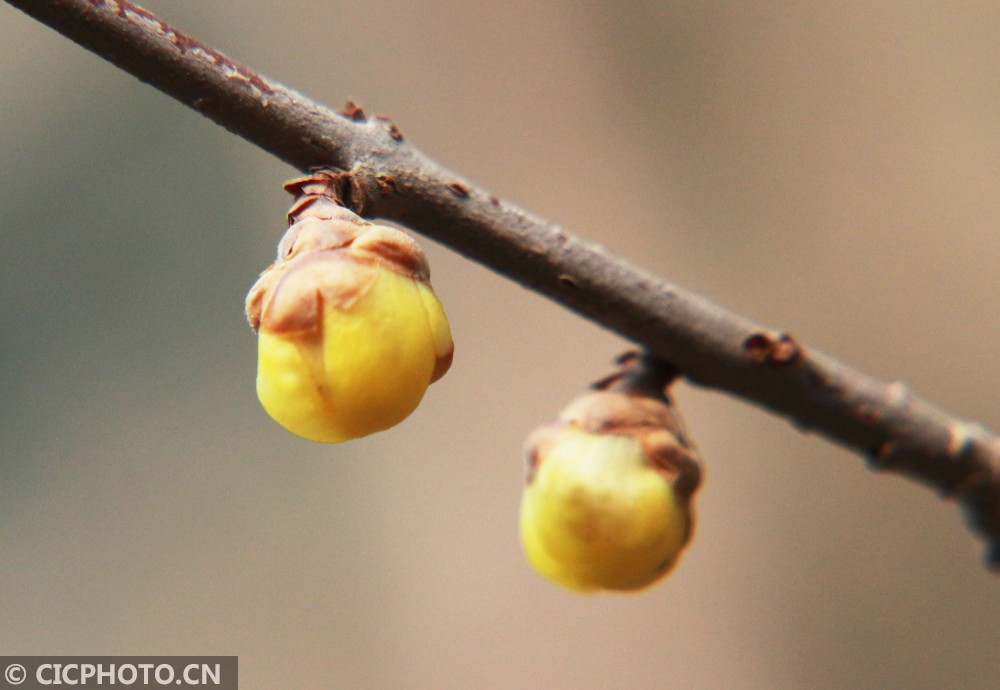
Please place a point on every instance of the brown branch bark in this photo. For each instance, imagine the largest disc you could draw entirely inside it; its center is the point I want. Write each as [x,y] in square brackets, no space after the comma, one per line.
[896,430]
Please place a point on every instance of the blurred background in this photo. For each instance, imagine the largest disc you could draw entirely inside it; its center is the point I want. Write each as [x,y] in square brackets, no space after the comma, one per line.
[828,168]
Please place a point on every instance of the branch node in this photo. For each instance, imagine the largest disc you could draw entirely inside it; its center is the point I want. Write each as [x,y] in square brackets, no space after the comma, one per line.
[354,111]
[567,281]
[391,127]
[459,189]
[773,349]
[386,184]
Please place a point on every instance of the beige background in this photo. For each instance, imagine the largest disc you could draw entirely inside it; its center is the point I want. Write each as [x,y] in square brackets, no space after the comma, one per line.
[829,168]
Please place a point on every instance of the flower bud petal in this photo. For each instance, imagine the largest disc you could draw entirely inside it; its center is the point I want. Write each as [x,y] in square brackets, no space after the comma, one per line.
[607,504]
[363,366]
[596,515]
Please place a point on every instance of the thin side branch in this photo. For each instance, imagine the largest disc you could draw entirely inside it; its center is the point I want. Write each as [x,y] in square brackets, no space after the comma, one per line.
[896,430]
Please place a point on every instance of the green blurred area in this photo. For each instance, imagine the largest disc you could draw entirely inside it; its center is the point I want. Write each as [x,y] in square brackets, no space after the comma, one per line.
[830,169]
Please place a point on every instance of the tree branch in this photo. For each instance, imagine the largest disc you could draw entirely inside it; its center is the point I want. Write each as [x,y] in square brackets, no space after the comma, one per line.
[896,430]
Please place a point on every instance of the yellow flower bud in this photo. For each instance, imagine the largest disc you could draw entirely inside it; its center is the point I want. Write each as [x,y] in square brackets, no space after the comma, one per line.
[350,331]
[608,499]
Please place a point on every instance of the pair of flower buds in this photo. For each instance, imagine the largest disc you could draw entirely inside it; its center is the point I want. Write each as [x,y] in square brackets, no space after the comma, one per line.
[351,334]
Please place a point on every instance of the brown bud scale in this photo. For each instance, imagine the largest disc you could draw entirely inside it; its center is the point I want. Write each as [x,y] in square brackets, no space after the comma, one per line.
[329,241]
